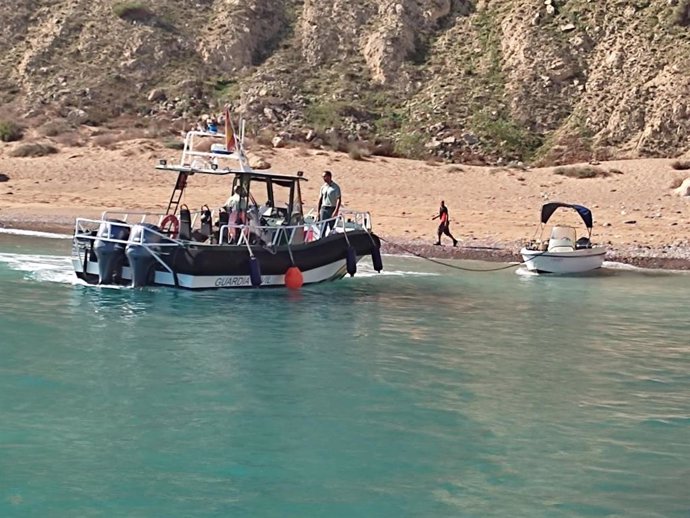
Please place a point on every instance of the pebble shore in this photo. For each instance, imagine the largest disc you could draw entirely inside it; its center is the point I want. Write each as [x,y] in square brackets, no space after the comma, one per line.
[669,257]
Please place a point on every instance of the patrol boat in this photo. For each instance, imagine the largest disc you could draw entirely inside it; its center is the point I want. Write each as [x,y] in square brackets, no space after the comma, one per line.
[247,245]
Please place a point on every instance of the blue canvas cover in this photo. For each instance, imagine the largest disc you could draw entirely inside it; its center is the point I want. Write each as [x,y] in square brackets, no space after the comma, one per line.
[549,208]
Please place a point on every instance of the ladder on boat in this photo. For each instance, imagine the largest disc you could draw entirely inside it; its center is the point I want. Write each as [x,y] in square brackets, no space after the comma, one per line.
[177,193]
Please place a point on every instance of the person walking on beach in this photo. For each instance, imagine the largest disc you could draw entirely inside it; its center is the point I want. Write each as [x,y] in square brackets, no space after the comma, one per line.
[444,225]
[329,199]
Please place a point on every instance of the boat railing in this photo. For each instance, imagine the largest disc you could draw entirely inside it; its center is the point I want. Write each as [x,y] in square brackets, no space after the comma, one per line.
[214,154]
[84,229]
[306,232]
[276,234]
[360,218]
[144,217]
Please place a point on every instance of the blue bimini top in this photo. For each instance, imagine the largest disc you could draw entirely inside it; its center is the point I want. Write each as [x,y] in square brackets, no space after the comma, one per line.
[549,208]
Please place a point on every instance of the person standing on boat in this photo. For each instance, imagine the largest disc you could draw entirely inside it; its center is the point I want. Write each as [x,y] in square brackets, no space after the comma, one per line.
[237,207]
[329,199]
[444,225]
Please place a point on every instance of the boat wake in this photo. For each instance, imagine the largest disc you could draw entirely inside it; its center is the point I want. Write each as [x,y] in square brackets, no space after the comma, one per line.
[34,233]
[620,266]
[524,272]
[367,270]
[43,268]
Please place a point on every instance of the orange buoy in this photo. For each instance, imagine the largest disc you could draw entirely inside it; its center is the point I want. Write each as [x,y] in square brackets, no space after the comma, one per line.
[293,278]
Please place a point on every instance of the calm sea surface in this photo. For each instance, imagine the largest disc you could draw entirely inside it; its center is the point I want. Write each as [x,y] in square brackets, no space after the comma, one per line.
[424,392]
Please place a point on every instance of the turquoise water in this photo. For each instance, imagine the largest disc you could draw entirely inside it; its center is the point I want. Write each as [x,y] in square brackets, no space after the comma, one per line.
[423,392]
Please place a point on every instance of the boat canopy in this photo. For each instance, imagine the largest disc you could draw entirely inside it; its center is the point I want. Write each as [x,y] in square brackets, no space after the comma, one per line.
[549,208]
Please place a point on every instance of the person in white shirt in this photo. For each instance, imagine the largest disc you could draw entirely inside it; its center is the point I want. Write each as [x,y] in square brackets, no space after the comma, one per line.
[236,205]
[236,202]
[329,199]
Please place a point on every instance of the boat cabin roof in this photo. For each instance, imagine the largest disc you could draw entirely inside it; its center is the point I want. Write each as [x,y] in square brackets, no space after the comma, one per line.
[224,157]
[253,174]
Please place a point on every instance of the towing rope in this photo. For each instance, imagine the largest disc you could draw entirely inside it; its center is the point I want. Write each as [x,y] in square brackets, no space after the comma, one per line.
[441,263]
[456,267]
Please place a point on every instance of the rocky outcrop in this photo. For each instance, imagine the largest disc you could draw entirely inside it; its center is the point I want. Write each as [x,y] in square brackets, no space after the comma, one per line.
[476,80]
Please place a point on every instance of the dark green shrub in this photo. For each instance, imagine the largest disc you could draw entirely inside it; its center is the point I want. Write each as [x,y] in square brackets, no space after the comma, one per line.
[10,131]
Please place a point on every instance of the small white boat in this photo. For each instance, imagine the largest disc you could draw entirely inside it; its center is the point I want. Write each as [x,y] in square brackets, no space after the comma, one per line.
[563,252]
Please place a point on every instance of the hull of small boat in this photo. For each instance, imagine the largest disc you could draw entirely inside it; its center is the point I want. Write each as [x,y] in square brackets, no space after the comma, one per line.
[198,266]
[576,261]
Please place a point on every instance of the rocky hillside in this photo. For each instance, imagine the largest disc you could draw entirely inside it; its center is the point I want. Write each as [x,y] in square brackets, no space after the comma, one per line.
[473,80]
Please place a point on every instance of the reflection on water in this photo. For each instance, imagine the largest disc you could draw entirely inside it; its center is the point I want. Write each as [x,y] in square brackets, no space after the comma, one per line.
[436,394]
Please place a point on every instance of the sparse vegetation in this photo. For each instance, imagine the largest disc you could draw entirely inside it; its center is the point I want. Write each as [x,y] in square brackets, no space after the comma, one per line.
[676,182]
[70,139]
[137,12]
[4,178]
[505,136]
[383,148]
[107,140]
[323,116]
[681,14]
[33,150]
[358,151]
[265,137]
[226,90]
[133,11]
[10,131]
[680,165]
[174,144]
[411,145]
[584,171]
[54,128]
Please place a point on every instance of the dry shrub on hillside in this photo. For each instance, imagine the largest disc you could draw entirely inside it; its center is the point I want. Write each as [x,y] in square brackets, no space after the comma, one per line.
[54,128]
[10,131]
[357,151]
[681,165]
[174,144]
[133,12]
[32,150]
[265,137]
[302,150]
[384,148]
[676,182]
[4,178]
[681,14]
[71,139]
[337,143]
[158,129]
[584,171]
[107,140]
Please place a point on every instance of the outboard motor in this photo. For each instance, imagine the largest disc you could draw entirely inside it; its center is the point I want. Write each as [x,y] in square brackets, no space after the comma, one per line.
[110,255]
[141,261]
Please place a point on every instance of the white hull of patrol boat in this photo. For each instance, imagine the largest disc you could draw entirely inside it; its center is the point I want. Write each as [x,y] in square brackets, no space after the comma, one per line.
[329,272]
[575,261]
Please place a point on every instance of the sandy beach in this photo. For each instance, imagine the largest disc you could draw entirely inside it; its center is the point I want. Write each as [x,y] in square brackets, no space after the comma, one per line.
[493,210]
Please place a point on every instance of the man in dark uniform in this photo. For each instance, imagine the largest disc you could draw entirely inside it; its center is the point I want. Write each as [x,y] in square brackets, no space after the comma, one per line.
[444,226]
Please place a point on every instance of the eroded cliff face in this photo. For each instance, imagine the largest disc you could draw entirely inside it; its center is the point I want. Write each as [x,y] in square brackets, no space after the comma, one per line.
[482,80]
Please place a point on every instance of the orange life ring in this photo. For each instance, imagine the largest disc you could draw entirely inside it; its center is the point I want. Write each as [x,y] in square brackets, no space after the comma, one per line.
[174,224]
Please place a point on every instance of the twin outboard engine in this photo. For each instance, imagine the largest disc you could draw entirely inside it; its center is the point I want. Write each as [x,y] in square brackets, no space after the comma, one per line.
[141,261]
[110,255]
